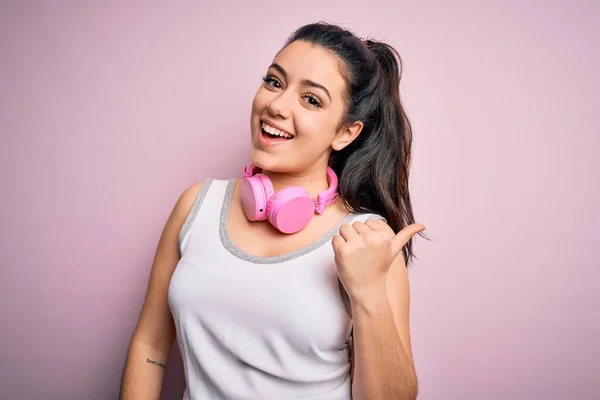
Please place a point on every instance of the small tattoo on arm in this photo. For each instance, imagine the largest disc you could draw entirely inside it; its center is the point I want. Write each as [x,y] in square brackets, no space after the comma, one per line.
[149,361]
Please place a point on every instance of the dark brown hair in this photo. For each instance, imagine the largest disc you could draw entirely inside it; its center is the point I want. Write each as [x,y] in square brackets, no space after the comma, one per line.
[373,170]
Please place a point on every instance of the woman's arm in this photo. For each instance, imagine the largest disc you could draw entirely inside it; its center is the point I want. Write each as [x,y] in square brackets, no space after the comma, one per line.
[382,357]
[154,334]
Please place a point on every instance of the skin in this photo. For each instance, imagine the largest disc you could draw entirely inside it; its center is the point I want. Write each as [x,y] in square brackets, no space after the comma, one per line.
[311,114]
[382,364]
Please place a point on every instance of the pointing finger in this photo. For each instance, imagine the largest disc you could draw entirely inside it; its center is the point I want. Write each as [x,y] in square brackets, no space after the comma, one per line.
[402,237]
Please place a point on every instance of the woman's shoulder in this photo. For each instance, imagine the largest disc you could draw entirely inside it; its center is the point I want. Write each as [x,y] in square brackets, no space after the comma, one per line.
[191,193]
[187,198]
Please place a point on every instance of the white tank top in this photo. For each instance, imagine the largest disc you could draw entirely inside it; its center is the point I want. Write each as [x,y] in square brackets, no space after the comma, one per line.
[253,327]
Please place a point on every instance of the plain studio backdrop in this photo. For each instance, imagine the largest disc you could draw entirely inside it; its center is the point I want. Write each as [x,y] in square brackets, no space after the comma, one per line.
[109,110]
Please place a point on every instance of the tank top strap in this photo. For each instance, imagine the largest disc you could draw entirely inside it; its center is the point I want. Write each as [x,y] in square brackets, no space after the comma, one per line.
[206,210]
[364,217]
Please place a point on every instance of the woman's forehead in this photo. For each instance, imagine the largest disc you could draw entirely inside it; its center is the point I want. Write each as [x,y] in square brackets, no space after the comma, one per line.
[304,60]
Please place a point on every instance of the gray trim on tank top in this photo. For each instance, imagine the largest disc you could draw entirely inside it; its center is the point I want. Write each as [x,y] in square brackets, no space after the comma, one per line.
[236,251]
[189,220]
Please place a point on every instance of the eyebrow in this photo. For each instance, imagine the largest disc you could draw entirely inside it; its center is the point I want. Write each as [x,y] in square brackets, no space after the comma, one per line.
[306,82]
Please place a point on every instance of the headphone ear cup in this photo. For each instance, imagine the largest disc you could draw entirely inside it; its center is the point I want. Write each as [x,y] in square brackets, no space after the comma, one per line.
[291,209]
[257,190]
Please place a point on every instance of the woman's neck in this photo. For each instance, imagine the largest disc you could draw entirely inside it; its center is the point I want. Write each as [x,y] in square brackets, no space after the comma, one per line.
[314,182]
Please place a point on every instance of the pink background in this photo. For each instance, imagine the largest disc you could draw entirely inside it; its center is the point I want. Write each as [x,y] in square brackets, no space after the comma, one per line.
[108,111]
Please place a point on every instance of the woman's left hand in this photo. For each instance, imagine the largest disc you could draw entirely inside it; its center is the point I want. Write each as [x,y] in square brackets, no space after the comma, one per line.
[364,252]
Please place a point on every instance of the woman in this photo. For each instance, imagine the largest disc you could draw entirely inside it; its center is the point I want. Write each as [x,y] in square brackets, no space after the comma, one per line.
[289,283]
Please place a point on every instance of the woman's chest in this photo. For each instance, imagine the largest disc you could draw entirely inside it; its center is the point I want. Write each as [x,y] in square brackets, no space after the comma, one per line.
[298,301]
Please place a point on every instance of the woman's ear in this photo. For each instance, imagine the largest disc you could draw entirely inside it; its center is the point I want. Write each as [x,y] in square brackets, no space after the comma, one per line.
[346,135]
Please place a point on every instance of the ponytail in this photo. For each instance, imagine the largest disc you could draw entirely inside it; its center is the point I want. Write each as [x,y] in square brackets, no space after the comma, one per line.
[374,169]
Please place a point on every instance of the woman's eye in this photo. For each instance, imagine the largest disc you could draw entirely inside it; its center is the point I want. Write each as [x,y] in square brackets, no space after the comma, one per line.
[271,81]
[313,101]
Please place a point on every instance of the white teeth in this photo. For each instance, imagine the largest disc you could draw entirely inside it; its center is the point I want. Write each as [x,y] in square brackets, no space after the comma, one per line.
[276,132]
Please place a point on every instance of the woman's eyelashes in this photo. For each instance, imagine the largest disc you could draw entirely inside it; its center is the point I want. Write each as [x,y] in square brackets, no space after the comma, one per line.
[311,99]
[272,81]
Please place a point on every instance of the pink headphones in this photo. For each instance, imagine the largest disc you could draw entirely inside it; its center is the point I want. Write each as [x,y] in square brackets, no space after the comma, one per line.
[290,209]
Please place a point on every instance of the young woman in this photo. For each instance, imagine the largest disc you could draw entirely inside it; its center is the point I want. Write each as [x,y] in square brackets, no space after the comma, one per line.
[291,282]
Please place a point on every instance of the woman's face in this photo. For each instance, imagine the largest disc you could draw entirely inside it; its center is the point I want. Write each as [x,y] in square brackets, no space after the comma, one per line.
[297,110]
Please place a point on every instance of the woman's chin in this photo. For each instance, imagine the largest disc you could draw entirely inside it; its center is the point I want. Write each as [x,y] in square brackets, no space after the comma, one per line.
[269,162]
[262,160]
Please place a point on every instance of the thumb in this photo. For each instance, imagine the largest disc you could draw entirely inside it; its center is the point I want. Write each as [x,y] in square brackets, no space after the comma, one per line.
[402,237]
